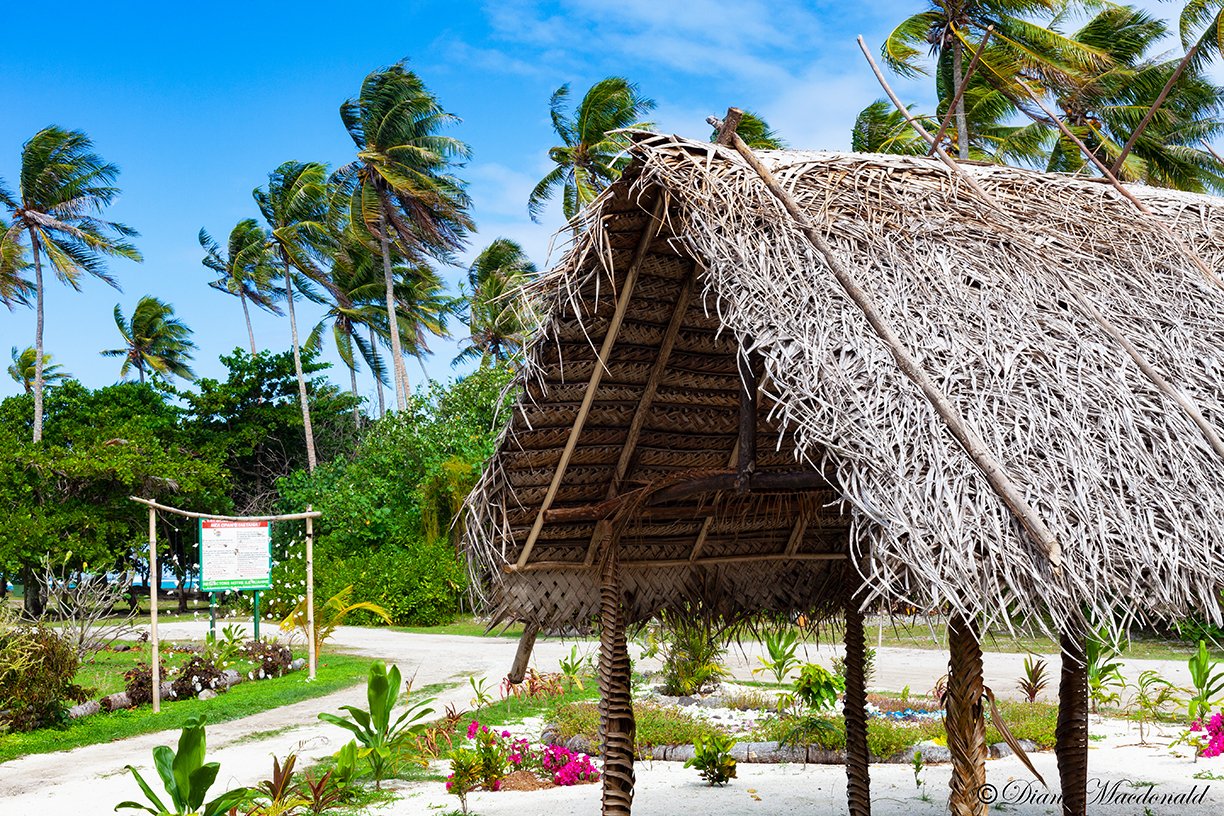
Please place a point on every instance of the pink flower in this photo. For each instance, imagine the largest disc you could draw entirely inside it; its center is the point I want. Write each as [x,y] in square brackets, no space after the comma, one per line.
[471,732]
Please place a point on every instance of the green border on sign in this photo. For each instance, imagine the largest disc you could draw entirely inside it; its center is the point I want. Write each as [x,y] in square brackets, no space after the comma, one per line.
[235,585]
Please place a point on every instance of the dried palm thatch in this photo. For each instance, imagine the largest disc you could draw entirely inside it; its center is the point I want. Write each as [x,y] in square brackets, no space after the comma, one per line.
[1082,340]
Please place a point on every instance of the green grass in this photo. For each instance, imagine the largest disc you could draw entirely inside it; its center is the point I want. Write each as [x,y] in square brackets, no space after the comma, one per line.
[465,625]
[656,725]
[336,672]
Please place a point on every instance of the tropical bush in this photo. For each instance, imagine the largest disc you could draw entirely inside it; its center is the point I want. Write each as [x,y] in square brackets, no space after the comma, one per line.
[1207,681]
[781,646]
[331,615]
[1035,678]
[712,757]
[37,671]
[197,673]
[692,647]
[379,737]
[186,779]
[817,688]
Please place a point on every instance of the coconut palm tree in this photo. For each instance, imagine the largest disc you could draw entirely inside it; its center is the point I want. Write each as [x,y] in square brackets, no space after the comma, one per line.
[295,207]
[947,27]
[1103,108]
[22,369]
[63,187]
[756,133]
[499,318]
[589,156]
[402,195]
[154,340]
[353,304]
[245,269]
[15,287]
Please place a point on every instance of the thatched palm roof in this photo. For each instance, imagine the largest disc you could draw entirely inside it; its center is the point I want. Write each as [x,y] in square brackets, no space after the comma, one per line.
[999,309]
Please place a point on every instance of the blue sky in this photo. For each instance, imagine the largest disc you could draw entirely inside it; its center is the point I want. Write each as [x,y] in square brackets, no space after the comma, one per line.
[197,103]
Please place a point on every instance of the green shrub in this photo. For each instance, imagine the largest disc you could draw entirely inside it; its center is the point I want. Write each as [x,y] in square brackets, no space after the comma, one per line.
[817,688]
[712,757]
[37,668]
[656,725]
[692,648]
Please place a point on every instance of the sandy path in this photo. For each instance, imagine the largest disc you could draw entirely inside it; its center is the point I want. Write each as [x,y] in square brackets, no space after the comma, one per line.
[54,784]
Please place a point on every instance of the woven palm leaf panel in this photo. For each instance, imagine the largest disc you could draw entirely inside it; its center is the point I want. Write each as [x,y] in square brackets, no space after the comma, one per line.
[1003,309]
[688,429]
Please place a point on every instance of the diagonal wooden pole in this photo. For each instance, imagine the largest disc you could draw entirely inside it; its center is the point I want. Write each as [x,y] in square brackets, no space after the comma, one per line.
[970,441]
[973,63]
[1160,98]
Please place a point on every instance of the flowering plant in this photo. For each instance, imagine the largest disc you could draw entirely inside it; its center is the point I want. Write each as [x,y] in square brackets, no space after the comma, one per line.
[1211,741]
[465,775]
[494,754]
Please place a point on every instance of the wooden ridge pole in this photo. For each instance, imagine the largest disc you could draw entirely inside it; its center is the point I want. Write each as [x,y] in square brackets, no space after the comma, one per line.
[968,438]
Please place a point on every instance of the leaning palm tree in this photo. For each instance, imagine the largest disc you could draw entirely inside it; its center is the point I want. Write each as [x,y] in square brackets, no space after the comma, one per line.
[15,286]
[245,269]
[22,369]
[590,156]
[154,340]
[756,133]
[946,28]
[499,318]
[1103,108]
[356,287]
[63,187]
[295,207]
[401,193]
[423,308]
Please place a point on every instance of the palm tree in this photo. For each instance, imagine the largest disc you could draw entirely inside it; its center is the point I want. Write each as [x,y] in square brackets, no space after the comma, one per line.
[22,369]
[63,188]
[589,157]
[400,190]
[355,291]
[756,133]
[499,318]
[15,287]
[1103,108]
[881,128]
[245,269]
[154,340]
[295,208]
[946,27]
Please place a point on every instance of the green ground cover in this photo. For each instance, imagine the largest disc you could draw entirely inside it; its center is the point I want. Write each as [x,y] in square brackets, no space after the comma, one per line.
[336,671]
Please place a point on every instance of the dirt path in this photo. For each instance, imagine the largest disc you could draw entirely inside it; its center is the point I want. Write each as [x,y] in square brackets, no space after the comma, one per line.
[61,783]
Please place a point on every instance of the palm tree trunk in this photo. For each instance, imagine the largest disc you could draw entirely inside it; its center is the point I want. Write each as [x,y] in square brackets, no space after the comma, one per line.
[311,461]
[962,122]
[38,340]
[356,398]
[246,312]
[382,402]
[140,370]
[397,351]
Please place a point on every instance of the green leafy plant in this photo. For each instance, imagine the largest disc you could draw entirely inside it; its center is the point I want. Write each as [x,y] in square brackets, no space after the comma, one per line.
[346,765]
[817,688]
[1104,672]
[379,737]
[575,667]
[322,794]
[1151,694]
[712,757]
[224,650]
[781,646]
[1207,680]
[481,692]
[692,652]
[186,778]
[330,616]
[918,765]
[1035,678]
[869,655]
[465,775]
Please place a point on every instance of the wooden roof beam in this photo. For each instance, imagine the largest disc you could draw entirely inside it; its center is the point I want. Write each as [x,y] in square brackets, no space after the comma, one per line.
[605,353]
[681,562]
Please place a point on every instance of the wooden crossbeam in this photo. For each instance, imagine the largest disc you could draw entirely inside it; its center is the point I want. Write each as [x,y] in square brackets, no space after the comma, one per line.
[536,566]
[605,352]
[629,449]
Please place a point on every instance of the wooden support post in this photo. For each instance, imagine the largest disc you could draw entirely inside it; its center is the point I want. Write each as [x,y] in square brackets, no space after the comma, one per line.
[964,719]
[518,669]
[312,653]
[617,727]
[1071,734]
[858,756]
[154,584]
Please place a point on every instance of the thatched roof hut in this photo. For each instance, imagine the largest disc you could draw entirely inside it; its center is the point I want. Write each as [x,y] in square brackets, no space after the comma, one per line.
[709,410]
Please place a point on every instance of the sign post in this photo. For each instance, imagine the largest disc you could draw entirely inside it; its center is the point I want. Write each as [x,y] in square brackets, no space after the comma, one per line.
[312,656]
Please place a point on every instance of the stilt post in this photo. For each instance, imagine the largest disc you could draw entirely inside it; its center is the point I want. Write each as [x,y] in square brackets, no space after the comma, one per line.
[617,728]
[858,756]
[964,719]
[1071,734]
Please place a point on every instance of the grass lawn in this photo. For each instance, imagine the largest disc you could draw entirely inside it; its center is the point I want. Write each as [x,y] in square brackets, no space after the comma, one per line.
[466,625]
[336,671]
